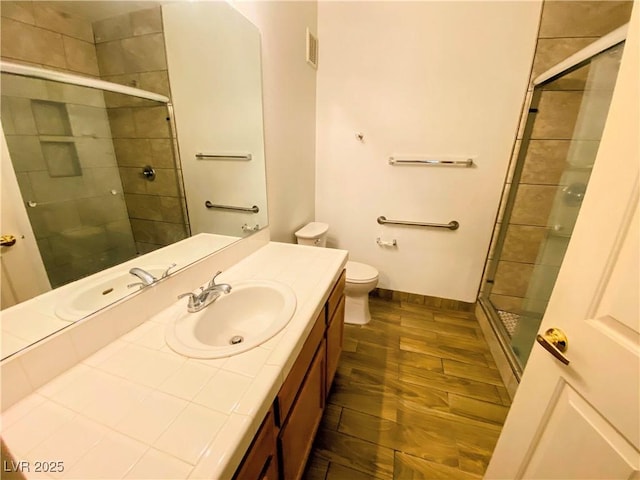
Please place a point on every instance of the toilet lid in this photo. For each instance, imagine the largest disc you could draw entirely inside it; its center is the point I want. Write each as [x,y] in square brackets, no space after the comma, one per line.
[313,230]
[360,272]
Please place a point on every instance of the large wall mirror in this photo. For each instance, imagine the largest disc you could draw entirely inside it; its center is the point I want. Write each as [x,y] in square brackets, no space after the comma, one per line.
[102,179]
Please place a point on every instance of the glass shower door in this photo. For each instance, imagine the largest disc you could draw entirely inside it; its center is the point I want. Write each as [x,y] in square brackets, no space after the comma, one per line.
[61,149]
[559,148]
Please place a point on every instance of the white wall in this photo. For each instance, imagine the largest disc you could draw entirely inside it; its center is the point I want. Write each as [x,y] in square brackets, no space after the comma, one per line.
[213,55]
[289,87]
[432,78]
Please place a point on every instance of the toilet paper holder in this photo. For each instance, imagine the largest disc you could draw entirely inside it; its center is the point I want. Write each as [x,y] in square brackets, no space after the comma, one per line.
[386,243]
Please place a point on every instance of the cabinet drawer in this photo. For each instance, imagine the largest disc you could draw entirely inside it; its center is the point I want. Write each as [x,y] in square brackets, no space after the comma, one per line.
[334,342]
[291,385]
[296,436]
[261,459]
[335,295]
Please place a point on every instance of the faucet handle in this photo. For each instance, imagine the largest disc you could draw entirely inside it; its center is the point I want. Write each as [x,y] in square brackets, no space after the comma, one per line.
[166,272]
[192,298]
[212,283]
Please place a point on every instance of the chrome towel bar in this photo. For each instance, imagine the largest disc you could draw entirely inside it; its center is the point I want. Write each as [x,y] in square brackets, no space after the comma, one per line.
[253,209]
[221,156]
[431,161]
[453,225]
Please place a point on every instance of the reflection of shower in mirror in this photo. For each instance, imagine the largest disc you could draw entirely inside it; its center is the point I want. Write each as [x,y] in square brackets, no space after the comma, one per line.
[94,139]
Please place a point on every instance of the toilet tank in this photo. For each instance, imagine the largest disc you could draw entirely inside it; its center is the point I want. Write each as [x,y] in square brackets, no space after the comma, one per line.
[314,234]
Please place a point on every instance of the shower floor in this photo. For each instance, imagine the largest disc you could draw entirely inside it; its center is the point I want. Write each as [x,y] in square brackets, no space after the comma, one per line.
[509,320]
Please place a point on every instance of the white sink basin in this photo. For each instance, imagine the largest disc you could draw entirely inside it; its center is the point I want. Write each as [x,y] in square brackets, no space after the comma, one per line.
[92,294]
[250,315]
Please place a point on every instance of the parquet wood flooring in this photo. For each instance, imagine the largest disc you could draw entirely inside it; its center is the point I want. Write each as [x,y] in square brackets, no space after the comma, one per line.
[417,395]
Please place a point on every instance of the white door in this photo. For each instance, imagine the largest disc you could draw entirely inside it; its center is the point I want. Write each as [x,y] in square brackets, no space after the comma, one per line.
[582,420]
[23,275]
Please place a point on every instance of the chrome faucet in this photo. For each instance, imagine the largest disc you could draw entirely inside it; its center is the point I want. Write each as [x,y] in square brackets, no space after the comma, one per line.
[207,295]
[145,277]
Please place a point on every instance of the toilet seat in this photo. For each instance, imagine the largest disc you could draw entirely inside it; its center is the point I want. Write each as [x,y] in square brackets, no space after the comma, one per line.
[360,272]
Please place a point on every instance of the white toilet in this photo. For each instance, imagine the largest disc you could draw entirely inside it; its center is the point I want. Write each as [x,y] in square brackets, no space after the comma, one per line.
[361,278]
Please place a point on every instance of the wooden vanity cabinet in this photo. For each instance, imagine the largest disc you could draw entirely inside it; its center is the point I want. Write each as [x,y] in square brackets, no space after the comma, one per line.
[261,460]
[297,433]
[336,296]
[334,315]
[293,420]
[293,383]
[335,330]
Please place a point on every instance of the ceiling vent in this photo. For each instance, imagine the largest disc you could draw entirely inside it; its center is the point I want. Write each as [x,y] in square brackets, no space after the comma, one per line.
[312,49]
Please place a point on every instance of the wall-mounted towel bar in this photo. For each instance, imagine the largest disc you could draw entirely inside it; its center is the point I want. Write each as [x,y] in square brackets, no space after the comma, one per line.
[453,225]
[467,162]
[253,209]
[222,156]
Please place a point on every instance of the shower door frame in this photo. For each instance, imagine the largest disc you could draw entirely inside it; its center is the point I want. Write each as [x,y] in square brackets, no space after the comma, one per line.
[572,63]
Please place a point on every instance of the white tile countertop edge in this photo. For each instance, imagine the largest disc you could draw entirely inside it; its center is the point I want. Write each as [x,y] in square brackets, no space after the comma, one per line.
[136,409]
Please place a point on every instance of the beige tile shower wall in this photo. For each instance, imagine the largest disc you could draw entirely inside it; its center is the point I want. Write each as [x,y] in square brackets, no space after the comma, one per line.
[131,51]
[565,28]
[37,34]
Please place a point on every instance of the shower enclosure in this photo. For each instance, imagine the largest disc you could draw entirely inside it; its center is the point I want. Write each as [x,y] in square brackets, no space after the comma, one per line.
[561,136]
[96,167]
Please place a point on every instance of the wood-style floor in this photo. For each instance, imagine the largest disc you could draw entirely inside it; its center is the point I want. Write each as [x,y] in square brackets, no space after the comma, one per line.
[417,396]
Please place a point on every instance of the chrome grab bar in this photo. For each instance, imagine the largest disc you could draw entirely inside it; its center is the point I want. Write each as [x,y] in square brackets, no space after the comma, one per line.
[453,225]
[431,161]
[221,156]
[253,209]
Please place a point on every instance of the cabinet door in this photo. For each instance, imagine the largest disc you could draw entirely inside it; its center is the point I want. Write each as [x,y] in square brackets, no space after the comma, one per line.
[334,343]
[336,294]
[296,436]
[261,460]
[292,384]
[271,472]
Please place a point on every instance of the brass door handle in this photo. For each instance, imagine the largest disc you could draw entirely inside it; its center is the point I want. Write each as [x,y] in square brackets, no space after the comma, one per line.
[555,342]
[7,240]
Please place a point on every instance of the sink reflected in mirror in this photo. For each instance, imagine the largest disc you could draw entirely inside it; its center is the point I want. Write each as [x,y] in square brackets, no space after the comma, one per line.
[31,321]
[252,313]
[102,290]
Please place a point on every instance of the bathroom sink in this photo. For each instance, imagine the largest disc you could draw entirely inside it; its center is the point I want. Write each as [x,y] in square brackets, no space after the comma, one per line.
[92,294]
[248,316]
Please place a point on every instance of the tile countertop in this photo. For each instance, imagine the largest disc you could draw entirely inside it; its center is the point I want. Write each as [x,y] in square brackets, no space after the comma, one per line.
[136,409]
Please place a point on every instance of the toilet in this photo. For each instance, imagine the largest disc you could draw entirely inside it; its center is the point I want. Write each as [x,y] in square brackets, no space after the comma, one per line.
[361,278]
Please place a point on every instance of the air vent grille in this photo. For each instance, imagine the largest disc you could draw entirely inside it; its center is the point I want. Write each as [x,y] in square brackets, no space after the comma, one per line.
[312,49]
